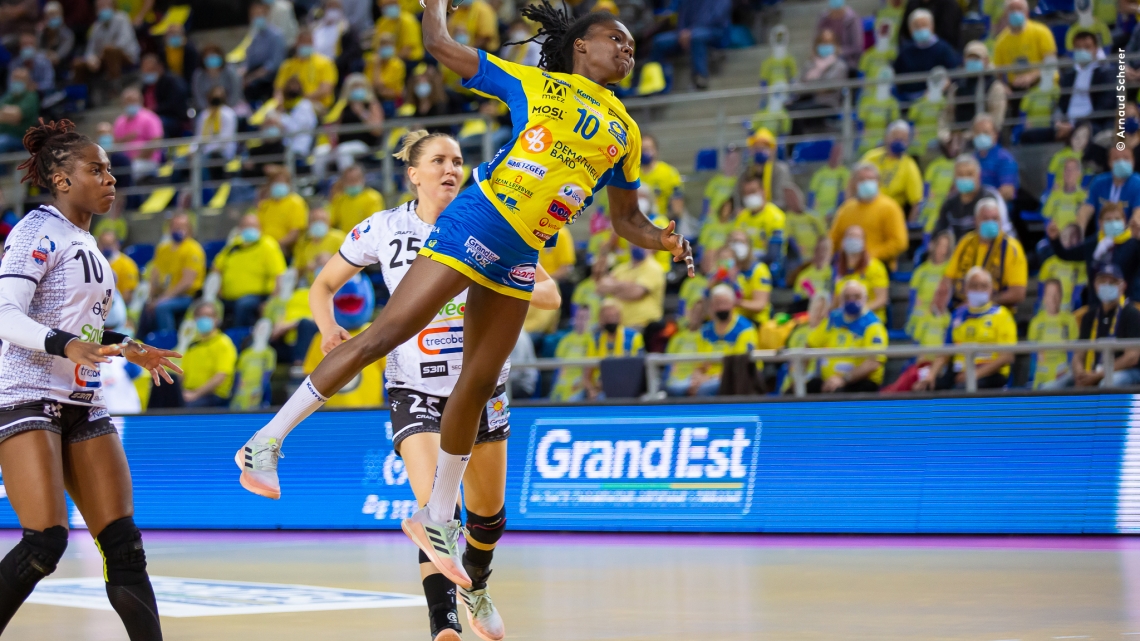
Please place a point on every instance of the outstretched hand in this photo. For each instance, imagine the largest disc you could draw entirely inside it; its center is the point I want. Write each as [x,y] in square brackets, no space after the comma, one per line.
[676,244]
[90,354]
[154,360]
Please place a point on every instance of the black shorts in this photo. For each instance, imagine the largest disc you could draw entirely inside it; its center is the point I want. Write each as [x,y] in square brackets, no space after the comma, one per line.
[415,413]
[74,423]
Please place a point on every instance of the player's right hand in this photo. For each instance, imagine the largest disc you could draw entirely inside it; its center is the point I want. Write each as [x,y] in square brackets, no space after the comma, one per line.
[90,354]
[334,338]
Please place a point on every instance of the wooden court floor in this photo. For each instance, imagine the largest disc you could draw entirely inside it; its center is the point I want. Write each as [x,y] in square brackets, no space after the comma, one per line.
[668,587]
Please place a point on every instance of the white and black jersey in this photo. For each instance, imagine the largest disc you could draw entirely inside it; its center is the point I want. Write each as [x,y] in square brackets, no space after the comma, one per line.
[54,282]
[431,361]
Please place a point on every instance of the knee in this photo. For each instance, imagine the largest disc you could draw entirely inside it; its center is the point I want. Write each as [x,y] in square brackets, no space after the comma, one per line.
[124,561]
[487,530]
[34,557]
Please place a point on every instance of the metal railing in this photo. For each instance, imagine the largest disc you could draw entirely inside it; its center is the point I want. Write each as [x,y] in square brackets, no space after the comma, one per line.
[799,357]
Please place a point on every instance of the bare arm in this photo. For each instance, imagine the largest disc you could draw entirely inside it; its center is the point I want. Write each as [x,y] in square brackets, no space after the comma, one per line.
[757,304]
[335,274]
[183,285]
[1083,215]
[863,370]
[207,388]
[993,366]
[546,294]
[634,226]
[461,59]
[1127,360]
[878,299]
[1011,297]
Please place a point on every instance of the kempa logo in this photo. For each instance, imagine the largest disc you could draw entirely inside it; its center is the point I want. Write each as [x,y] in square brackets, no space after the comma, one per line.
[479,252]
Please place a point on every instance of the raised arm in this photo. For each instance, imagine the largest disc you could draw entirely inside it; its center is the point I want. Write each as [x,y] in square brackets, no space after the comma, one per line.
[461,59]
[634,226]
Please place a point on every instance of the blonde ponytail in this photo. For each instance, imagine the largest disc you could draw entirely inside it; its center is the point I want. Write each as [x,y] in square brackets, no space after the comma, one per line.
[413,146]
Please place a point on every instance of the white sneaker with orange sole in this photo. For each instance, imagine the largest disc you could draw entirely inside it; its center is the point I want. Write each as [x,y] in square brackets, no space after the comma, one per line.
[258,462]
[440,542]
[482,615]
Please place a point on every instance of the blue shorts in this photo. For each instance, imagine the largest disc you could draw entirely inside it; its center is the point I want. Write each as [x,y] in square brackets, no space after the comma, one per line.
[472,237]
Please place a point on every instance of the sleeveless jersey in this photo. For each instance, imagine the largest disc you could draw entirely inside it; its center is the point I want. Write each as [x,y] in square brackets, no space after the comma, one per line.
[74,291]
[429,362]
[571,137]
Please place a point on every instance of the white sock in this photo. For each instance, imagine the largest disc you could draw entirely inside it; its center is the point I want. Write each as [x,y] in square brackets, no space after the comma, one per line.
[445,492]
[303,402]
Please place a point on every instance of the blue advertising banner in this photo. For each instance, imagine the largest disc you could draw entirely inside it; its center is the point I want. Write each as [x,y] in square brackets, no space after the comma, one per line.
[1006,464]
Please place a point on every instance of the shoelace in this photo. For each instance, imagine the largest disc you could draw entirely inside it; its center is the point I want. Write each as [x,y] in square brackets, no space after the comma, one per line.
[451,531]
[266,458]
[479,602]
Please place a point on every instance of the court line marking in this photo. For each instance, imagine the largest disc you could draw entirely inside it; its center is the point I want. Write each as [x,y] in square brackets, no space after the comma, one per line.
[182,597]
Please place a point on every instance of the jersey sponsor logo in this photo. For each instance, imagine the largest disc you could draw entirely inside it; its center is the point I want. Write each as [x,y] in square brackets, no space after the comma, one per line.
[43,248]
[523,274]
[480,252]
[83,397]
[87,377]
[357,232]
[537,139]
[612,151]
[98,413]
[509,202]
[498,412]
[532,168]
[441,340]
[549,111]
[544,222]
[573,192]
[555,89]
[617,131]
[451,310]
[541,235]
[103,307]
[559,210]
[53,410]
[92,334]
[572,159]
[514,185]
[433,369]
[590,99]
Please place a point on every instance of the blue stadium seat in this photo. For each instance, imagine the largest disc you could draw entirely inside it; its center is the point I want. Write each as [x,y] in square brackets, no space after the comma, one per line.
[1047,7]
[141,253]
[1059,31]
[212,249]
[162,339]
[238,334]
[814,151]
[1032,217]
[706,160]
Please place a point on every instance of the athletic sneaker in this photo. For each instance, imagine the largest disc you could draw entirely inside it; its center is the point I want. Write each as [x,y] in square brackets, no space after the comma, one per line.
[482,615]
[258,462]
[447,634]
[440,542]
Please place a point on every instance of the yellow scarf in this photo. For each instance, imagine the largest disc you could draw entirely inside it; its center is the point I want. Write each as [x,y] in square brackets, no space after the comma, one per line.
[1091,355]
[993,262]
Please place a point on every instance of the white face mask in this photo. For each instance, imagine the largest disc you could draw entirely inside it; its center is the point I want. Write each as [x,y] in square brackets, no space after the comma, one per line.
[977,299]
[740,250]
[753,201]
[645,205]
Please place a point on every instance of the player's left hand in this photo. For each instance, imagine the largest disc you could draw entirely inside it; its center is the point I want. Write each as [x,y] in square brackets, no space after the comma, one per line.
[676,244]
[154,360]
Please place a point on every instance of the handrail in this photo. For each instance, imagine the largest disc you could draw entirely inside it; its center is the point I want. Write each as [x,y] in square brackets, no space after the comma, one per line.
[798,357]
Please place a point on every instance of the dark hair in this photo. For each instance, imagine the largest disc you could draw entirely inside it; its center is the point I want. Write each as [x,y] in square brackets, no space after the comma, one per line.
[1081,35]
[51,145]
[560,31]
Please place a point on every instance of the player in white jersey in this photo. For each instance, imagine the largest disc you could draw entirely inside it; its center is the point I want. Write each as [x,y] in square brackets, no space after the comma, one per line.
[56,290]
[421,374]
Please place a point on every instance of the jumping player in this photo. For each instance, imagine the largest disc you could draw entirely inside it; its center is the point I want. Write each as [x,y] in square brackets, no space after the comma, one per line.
[56,290]
[419,383]
[572,137]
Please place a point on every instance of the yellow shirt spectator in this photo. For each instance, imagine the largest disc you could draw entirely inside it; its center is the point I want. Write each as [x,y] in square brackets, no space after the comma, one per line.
[172,259]
[692,290]
[1029,47]
[118,226]
[308,248]
[213,354]
[367,390]
[478,19]
[759,279]
[839,333]
[714,234]
[1070,273]
[651,307]
[1061,206]
[882,221]
[1003,258]
[762,226]
[939,180]
[625,341]
[873,276]
[812,279]
[1052,328]
[311,71]
[741,338]
[393,72]
[900,177]
[249,269]
[280,217]
[805,229]
[992,326]
[825,193]
[406,32]
[685,341]
[347,211]
[924,282]
[665,181]
[126,274]
[718,189]
[570,381]
[586,293]
[554,259]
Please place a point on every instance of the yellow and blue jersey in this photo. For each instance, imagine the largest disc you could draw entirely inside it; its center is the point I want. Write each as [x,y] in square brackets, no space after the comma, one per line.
[839,333]
[685,341]
[571,137]
[624,342]
[741,338]
[992,326]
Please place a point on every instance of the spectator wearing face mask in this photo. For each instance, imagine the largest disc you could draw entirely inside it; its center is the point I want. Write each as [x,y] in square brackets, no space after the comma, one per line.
[965,90]
[249,265]
[320,237]
[209,362]
[1022,42]
[957,212]
[19,109]
[283,214]
[847,27]
[856,264]
[825,65]
[903,182]
[125,269]
[1079,100]
[1109,317]
[1053,324]
[298,119]
[879,216]
[316,73]
[217,120]
[852,326]
[111,45]
[763,221]
[981,321]
[774,174]
[529,53]
[726,332]
[139,125]
[402,27]
[639,286]
[359,106]
[165,94]
[176,276]
[353,200]
[178,54]
[425,92]
[1113,244]
[923,51]
[387,73]
[754,279]
[946,16]
[613,339]
[685,379]
[478,19]
[876,110]
[999,168]
[54,37]
[214,72]
[1120,184]
[662,178]
[41,73]
[996,252]
[264,54]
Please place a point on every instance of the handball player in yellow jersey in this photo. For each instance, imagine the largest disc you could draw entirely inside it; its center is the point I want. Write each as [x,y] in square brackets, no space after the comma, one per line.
[572,137]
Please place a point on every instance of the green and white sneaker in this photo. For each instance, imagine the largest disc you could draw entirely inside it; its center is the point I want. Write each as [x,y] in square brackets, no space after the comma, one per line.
[258,462]
[439,541]
[482,615]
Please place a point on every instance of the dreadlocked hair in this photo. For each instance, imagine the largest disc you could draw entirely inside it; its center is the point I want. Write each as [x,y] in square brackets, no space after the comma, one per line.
[560,31]
[51,145]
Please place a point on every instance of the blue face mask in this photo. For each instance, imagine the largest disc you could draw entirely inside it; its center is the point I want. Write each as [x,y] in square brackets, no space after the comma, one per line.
[175,41]
[1108,293]
[278,191]
[867,189]
[965,185]
[392,11]
[354,190]
[1017,19]
[259,22]
[975,65]
[423,89]
[133,109]
[108,253]
[177,236]
[55,22]
[304,51]
[213,61]
[836,4]
[647,159]
[636,253]
[1082,56]
[852,308]
[387,51]
[897,147]
[761,157]
[983,142]
[825,50]
[462,38]
[272,132]
[250,235]
[17,86]
[106,14]
[922,36]
[1113,228]
[989,230]
[1131,125]
[27,53]
[106,140]
[1121,168]
[204,324]
[319,229]
[149,78]
[360,94]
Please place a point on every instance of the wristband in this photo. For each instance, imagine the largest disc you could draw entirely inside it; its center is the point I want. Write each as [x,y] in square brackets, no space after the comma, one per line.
[114,338]
[56,341]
